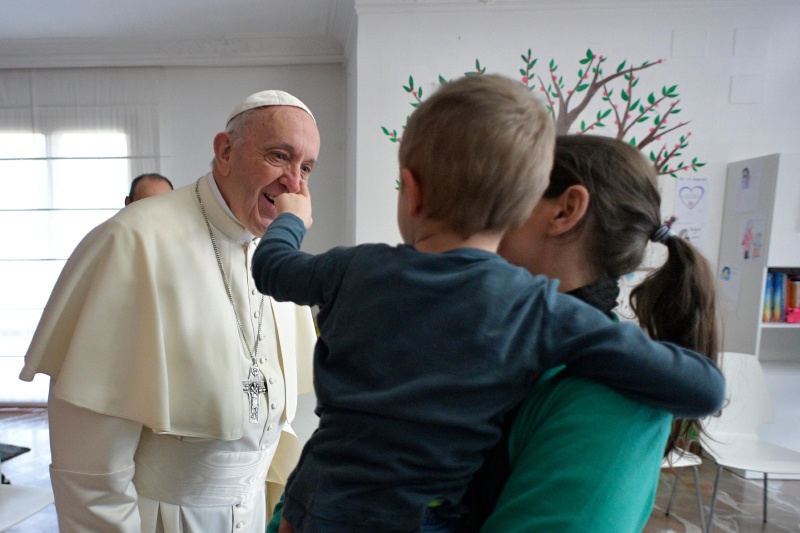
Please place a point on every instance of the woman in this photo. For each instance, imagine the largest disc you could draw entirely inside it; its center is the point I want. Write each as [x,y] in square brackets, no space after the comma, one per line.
[579,456]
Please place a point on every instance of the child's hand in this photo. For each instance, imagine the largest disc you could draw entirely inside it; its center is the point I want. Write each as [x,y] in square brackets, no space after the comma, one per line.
[298,204]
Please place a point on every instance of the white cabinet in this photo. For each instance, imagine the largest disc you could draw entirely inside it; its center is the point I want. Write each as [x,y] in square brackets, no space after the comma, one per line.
[761,233]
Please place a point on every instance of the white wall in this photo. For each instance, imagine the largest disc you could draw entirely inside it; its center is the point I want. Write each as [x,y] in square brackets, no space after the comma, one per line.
[194,104]
[194,107]
[706,49]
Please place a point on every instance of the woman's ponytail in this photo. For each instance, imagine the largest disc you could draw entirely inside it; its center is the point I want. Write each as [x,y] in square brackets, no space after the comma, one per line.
[677,303]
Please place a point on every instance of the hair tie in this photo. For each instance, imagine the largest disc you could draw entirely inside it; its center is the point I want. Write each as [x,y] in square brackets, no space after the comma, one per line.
[662,234]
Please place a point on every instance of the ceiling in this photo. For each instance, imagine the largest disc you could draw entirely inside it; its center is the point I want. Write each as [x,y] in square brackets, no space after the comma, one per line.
[54,33]
[76,33]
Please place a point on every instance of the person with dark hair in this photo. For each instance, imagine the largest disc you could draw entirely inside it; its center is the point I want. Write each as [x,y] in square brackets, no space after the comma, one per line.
[425,346]
[173,380]
[147,185]
[578,456]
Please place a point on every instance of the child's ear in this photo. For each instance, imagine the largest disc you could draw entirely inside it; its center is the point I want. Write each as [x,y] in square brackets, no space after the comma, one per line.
[413,190]
[569,210]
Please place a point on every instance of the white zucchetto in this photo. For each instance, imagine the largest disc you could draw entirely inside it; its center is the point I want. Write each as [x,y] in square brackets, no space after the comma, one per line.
[269,98]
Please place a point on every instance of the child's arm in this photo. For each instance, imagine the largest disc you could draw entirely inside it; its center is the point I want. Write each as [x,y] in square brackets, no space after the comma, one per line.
[282,271]
[675,379]
[623,357]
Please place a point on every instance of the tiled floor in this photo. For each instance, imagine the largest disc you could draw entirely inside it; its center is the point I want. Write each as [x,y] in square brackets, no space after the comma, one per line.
[738,508]
[739,504]
[28,427]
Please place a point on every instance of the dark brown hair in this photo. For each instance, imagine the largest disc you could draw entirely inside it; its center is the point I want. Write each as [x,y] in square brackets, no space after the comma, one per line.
[149,176]
[677,301]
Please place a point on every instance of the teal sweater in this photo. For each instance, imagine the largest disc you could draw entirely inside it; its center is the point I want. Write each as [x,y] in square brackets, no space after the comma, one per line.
[583,458]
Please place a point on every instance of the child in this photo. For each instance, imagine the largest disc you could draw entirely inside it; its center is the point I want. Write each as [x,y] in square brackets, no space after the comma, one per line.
[423,347]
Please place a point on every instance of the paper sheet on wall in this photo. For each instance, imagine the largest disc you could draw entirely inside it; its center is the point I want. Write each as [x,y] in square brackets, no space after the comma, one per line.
[694,233]
[751,235]
[626,284]
[729,283]
[692,198]
[747,186]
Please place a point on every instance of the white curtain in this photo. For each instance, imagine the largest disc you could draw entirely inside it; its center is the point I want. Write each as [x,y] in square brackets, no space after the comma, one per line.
[71,140]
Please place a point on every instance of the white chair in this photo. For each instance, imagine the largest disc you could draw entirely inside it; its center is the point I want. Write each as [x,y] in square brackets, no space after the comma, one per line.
[731,436]
[680,458]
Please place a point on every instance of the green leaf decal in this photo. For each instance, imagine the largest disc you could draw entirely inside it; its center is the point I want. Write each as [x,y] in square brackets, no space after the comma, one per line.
[632,113]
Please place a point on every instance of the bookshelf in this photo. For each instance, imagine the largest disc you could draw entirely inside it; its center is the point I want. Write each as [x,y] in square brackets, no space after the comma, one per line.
[762,218]
[760,235]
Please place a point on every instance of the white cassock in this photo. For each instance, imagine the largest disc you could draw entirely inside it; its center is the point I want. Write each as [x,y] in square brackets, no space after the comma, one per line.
[147,408]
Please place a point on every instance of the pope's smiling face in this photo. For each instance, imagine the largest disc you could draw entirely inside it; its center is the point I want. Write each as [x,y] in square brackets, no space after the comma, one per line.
[275,148]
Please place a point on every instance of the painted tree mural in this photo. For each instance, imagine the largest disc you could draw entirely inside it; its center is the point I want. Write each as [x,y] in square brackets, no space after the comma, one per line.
[646,121]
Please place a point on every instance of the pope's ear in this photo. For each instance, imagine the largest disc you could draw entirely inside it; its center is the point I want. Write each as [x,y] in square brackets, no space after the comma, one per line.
[570,208]
[222,152]
[413,190]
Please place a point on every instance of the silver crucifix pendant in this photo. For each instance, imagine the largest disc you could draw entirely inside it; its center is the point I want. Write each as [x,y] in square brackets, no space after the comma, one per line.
[253,387]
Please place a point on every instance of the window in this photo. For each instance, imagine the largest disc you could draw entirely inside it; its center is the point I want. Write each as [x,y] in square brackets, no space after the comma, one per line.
[70,141]
[54,188]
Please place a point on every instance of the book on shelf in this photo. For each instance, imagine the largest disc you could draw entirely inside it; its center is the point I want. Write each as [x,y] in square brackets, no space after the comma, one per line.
[767,311]
[794,294]
[781,296]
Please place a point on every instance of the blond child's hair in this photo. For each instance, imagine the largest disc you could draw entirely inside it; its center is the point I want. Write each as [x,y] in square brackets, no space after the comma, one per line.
[482,149]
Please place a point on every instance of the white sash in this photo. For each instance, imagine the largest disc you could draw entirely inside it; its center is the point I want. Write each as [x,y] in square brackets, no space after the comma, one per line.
[186,473]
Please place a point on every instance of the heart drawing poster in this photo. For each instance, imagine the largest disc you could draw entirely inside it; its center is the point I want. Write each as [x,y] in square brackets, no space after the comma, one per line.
[691,209]
[691,200]
[691,196]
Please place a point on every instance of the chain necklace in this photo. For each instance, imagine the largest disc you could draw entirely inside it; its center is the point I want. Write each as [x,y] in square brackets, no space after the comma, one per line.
[254,385]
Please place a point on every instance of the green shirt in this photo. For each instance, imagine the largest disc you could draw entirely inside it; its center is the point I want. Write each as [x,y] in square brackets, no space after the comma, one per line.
[583,458]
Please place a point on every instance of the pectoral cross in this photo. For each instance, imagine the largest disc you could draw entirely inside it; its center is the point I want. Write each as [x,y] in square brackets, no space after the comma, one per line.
[253,387]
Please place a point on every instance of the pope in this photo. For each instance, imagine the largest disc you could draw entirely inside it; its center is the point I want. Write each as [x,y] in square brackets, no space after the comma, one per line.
[173,380]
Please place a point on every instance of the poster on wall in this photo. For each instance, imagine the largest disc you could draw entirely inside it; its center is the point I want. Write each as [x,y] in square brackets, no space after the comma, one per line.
[692,198]
[730,282]
[751,235]
[694,233]
[626,285]
[747,186]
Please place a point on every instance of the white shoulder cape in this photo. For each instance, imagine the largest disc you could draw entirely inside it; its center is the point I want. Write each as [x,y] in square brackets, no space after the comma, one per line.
[139,325]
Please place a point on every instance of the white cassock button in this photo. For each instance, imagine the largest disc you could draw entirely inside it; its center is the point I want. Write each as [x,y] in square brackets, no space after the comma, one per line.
[273,405]
[263,447]
[238,505]
[239,525]
[261,336]
[254,292]
[269,427]
[271,381]
[256,314]
[261,360]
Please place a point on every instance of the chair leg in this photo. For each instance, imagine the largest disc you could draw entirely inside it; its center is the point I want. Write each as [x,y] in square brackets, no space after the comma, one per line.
[699,496]
[672,492]
[765,497]
[713,501]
